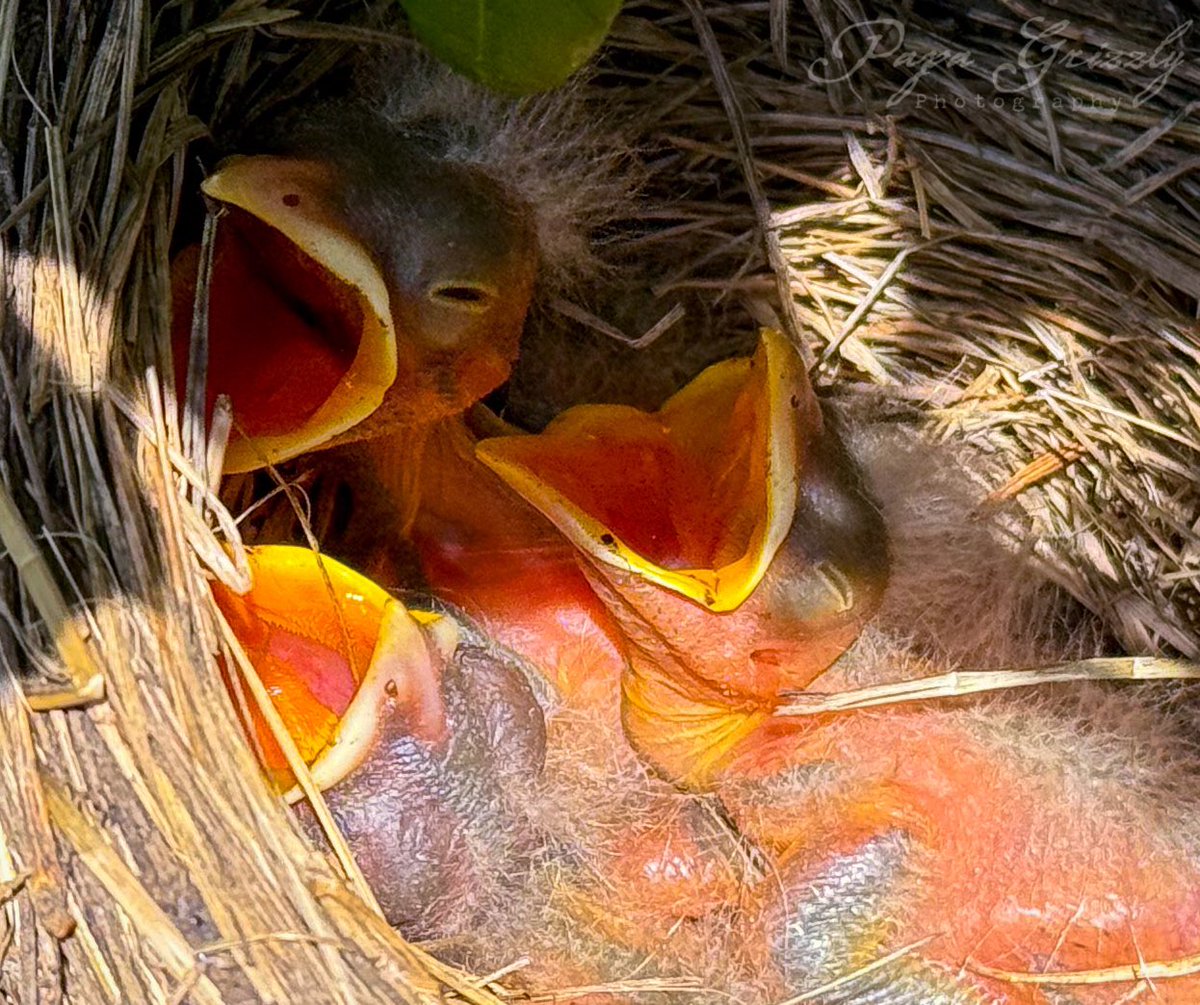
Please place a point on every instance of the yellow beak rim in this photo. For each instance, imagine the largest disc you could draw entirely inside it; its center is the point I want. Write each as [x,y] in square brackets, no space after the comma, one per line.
[292,196]
[766,398]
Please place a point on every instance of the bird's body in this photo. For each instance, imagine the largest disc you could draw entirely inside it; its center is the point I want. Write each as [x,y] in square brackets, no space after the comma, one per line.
[999,835]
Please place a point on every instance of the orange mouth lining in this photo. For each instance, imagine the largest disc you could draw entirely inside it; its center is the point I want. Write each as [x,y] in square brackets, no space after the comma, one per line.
[683,494]
[309,641]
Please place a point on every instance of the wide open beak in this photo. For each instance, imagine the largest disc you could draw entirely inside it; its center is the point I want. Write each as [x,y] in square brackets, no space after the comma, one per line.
[728,536]
[301,336]
[697,497]
[332,649]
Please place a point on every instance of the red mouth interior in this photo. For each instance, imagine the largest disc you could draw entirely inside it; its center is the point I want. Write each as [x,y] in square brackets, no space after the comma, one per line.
[626,486]
[683,502]
[283,331]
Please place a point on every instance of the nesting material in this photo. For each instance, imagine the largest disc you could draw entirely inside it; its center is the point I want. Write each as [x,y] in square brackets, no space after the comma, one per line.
[1016,281]
[1005,262]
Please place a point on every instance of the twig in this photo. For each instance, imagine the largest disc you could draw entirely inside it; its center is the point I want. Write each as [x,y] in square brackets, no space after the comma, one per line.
[87,682]
[959,683]
[854,975]
[1140,971]
[762,207]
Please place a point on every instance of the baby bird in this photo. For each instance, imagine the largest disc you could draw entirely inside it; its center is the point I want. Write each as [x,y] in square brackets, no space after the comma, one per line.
[729,537]
[424,738]
[979,843]
[363,283]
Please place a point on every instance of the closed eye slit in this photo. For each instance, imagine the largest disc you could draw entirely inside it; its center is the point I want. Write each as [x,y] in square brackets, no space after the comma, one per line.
[468,296]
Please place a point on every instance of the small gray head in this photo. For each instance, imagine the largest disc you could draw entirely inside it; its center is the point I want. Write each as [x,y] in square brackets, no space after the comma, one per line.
[456,247]
[439,828]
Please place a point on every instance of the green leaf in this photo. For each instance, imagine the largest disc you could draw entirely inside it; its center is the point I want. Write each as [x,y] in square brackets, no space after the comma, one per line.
[516,46]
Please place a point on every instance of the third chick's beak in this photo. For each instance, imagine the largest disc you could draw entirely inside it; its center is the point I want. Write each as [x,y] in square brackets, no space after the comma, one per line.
[422,736]
[358,288]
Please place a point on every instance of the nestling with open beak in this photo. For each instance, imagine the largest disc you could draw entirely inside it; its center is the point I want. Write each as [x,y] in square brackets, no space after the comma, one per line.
[727,534]
[374,260]
[354,291]
[422,735]
[732,543]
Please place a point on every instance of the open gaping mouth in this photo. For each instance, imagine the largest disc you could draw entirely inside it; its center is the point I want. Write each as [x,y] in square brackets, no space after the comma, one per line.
[696,497]
[330,647]
[286,330]
[300,330]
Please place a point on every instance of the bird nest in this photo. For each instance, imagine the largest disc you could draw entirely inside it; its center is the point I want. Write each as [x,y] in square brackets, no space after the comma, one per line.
[978,223]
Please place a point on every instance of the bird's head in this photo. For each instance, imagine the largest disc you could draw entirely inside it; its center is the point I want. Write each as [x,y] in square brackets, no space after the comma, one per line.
[728,534]
[422,736]
[355,289]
